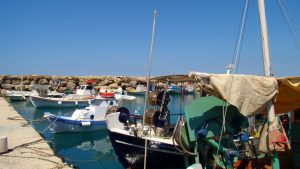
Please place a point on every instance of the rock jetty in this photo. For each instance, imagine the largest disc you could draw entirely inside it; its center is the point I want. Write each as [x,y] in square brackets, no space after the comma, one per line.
[63,83]
[70,83]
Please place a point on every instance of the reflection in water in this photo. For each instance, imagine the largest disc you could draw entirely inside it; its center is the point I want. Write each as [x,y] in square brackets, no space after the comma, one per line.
[89,150]
[84,141]
[96,142]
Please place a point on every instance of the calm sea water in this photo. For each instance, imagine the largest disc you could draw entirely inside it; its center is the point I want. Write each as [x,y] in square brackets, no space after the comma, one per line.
[88,150]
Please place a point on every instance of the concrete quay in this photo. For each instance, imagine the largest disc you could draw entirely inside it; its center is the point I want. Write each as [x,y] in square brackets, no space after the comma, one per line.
[27,149]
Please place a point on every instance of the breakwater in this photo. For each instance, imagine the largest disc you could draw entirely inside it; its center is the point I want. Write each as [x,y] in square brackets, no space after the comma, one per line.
[63,83]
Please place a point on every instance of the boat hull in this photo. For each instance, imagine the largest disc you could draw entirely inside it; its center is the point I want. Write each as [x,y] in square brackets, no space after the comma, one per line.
[16,98]
[130,152]
[63,125]
[137,93]
[50,102]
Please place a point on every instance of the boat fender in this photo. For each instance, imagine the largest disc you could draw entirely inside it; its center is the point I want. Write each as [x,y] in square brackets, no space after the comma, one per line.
[59,102]
[90,102]
[85,123]
[76,102]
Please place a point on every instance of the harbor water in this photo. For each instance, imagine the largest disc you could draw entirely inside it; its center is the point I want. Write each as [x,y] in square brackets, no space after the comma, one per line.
[88,150]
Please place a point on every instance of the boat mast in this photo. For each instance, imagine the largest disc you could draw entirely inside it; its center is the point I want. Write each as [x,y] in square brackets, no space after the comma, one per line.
[267,69]
[264,38]
[265,50]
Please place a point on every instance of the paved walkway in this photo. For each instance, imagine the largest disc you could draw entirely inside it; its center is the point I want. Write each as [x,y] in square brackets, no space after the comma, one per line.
[28,150]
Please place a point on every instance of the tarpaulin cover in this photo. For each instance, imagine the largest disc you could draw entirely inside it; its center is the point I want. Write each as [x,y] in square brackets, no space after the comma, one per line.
[288,97]
[250,93]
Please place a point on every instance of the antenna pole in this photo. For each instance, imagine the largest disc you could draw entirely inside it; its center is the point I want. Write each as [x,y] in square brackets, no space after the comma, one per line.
[148,82]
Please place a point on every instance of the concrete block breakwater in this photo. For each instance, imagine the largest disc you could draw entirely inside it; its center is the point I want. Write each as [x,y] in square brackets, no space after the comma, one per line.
[62,83]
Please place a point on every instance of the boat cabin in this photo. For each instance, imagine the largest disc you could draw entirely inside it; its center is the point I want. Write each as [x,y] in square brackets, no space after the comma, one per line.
[85,90]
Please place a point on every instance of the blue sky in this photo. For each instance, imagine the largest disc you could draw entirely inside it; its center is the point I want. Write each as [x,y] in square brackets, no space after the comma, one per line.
[112,37]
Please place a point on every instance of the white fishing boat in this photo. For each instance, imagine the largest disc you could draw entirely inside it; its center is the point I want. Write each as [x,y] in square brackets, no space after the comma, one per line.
[189,88]
[91,118]
[139,90]
[17,95]
[84,96]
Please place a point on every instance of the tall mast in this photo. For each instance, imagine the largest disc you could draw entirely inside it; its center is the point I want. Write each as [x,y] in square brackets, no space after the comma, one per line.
[264,38]
[266,52]
[267,70]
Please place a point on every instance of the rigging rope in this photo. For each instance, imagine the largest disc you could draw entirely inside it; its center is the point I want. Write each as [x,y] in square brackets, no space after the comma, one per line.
[235,61]
[49,126]
[286,13]
[291,15]
[238,45]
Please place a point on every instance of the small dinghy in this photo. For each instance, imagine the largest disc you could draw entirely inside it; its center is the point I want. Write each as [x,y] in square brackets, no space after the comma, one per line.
[91,118]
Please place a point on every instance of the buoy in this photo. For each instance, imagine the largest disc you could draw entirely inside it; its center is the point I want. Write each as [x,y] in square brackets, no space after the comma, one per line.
[3,144]
[85,123]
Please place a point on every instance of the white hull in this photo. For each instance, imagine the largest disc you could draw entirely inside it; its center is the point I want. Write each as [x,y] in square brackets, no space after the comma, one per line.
[17,95]
[16,98]
[59,102]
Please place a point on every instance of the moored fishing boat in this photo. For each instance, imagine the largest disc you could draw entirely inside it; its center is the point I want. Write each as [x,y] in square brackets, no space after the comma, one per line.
[17,95]
[91,118]
[129,145]
[128,136]
[84,96]
[139,90]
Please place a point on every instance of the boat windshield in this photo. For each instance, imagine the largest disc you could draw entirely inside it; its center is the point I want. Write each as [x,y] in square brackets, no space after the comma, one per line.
[89,87]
